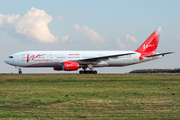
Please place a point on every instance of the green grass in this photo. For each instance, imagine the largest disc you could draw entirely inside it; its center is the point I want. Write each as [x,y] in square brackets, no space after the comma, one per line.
[67,96]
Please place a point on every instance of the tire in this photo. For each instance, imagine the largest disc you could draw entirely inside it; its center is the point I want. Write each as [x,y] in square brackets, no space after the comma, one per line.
[20,72]
[85,72]
[88,72]
[95,72]
[80,72]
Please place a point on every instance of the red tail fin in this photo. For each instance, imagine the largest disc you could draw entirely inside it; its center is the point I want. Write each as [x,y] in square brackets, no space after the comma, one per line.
[152,41]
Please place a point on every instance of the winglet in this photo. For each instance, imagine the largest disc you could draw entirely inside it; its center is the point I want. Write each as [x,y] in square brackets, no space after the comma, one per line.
[151,43]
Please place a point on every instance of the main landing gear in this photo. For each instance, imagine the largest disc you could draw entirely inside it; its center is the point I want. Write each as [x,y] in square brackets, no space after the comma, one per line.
[87,72]
[84,71]
[20,72]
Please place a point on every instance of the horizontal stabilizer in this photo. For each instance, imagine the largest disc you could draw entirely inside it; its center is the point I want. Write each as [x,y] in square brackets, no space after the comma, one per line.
[159,54]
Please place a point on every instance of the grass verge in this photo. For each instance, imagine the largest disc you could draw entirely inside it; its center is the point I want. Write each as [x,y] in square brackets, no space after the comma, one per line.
[66,96]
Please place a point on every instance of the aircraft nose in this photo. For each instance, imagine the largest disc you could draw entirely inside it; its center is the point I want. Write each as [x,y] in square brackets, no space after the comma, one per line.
[6,60]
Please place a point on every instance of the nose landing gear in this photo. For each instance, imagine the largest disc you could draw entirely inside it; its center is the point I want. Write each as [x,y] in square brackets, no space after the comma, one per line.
[20,72]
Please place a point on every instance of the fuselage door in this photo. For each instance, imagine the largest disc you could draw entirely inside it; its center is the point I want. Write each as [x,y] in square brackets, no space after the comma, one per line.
[50,57]
[23,58]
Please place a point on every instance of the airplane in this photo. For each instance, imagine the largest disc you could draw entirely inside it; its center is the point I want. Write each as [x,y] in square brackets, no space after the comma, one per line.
[74,60]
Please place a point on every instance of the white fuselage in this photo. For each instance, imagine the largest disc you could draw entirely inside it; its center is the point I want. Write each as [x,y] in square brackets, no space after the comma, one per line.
[73,60]
[55,58]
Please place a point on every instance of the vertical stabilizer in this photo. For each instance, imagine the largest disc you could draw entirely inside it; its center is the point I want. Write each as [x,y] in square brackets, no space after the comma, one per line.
[151,43]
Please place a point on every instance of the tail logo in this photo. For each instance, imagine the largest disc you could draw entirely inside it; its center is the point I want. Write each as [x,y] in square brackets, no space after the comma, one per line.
[146,46]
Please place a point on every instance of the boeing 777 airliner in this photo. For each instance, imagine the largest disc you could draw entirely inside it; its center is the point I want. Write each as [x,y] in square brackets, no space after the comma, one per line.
[73,60]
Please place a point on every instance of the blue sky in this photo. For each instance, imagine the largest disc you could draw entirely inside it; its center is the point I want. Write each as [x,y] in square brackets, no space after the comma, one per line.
[112,21]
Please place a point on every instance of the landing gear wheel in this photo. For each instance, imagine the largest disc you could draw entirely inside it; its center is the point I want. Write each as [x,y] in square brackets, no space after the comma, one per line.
[20,72]
[87,72]
[95,72]
[81,72]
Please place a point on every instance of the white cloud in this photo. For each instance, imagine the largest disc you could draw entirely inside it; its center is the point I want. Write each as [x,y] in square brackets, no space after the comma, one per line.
[33,24]
[121,44]
[65,38]
[60,17]
[177,37]
[131,38]
[127,36]
[92,35]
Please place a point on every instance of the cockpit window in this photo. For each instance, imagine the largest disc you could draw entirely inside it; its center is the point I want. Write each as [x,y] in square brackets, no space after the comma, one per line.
[10,56]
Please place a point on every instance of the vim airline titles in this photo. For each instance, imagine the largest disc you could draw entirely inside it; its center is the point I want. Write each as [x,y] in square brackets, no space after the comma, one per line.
[74,60]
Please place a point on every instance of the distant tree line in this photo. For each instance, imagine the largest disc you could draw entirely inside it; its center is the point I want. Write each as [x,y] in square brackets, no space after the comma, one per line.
[175,70]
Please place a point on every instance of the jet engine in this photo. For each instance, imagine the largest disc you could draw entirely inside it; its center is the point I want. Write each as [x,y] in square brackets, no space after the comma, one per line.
[70,65]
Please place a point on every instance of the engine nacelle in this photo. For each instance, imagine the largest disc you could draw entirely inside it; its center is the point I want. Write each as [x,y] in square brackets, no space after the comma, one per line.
[57,68]
[70,65]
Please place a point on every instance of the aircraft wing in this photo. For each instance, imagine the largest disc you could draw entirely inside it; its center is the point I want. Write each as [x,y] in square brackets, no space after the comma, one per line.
[99,59]
[159,54]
